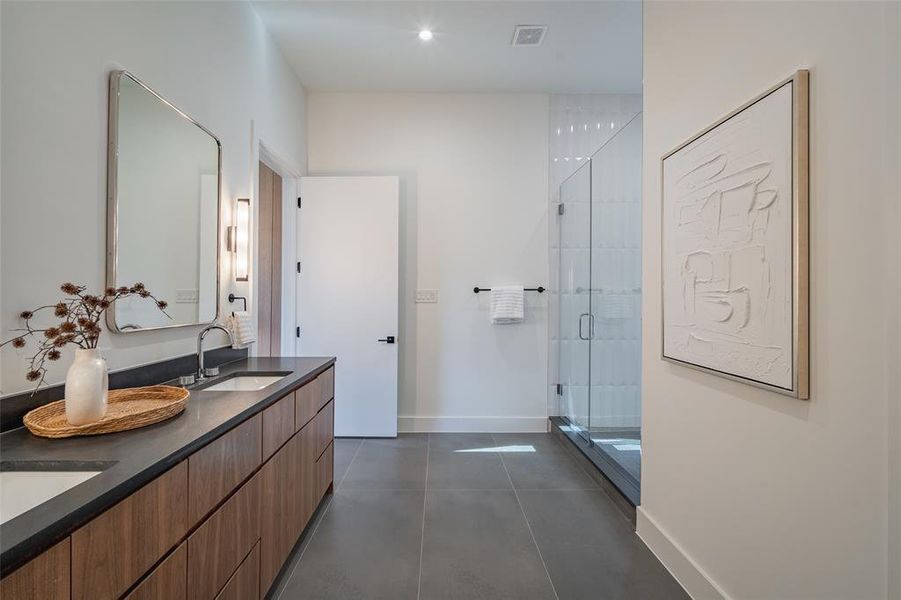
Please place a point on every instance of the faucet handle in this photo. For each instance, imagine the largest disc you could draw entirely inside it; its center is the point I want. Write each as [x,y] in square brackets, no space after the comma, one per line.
[186,380]
[211,371]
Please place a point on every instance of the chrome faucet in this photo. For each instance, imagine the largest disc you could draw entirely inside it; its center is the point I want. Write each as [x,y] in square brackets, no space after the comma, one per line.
[201,372]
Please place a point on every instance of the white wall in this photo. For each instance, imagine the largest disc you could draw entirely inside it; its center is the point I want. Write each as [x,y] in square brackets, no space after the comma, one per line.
[214,60]
[474,179]
[768,496]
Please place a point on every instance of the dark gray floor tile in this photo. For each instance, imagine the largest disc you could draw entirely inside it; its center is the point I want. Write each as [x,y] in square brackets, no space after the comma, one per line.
[403,441]
[477,545]
[465,443]
[345,449]
[574,517]
[546,470]
[366,547]
[449,471]
[609,572]
[389,464]
[540,442]
[465,462]
[591,550]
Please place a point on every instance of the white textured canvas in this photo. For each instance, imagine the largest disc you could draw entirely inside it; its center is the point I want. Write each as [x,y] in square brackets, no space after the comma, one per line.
[727,245]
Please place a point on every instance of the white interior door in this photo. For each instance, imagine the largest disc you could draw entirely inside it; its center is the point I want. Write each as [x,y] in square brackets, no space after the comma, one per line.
[347,294]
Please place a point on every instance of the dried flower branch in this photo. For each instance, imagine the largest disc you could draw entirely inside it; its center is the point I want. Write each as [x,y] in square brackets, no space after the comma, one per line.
[81,314]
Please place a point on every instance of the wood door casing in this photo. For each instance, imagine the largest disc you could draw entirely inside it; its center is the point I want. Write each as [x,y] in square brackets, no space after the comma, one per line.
[269,231]
[264,262]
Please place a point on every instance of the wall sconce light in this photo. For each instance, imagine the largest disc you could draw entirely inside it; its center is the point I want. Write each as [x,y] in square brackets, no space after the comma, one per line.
[238,239]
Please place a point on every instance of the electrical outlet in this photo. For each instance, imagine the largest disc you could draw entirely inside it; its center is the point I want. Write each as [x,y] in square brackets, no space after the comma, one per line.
[186,296]
[426,296]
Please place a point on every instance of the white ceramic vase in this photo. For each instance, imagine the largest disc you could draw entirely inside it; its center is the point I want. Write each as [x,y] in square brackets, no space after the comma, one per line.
[87,387]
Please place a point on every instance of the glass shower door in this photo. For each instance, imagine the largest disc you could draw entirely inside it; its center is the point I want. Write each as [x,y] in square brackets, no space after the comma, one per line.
[575,305]
[615,355]
[600,307]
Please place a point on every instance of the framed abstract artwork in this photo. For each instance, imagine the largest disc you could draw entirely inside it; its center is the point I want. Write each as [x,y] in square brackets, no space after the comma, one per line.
[735,244]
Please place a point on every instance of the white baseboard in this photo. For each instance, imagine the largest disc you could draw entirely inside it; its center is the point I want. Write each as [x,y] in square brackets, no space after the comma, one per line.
[415,424]
[690,576]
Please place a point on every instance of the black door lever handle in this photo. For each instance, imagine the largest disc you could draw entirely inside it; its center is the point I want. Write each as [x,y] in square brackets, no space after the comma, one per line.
[387,340]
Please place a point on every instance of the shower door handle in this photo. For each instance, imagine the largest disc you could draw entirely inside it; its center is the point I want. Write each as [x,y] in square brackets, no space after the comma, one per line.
[581,320]
[590,326]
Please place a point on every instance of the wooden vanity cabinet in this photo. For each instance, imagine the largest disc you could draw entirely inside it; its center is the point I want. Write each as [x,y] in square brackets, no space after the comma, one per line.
[326,386]
[113,551]
[220,544]
[216,469]
[324,424]
[294,481]
[245,583]
[45,577]
[217,526]
[168,581]
[306,403]
[278,425]
[279,520]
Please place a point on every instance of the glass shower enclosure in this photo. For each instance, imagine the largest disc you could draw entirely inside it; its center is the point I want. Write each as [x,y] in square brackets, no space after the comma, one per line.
[600,308]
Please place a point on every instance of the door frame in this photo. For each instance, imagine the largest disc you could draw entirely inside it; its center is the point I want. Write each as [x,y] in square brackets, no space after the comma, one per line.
[289,174]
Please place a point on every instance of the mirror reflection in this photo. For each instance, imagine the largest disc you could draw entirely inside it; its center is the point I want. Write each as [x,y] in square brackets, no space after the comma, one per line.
[164,209]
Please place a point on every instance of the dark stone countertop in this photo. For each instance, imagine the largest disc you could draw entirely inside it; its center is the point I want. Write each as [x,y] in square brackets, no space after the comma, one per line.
[131,458]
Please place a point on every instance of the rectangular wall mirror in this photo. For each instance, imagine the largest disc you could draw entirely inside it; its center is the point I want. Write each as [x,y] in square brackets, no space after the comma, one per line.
[163,209]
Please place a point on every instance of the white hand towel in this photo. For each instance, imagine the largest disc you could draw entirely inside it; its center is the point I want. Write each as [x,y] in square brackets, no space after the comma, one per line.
[506,304]
[243,330]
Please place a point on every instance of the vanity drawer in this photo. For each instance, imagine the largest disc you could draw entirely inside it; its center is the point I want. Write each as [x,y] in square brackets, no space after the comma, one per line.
[305,465]
[245,583]
[278,513]
[117,548]
[324,425]
[306,403]
[325,468]
[219,467]
[278,425]
[45,577]
[167,581]
[217,548]
[326,386]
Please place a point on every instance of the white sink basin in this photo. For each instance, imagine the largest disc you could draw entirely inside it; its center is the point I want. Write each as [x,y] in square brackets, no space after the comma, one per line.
[244,383]
[21,491]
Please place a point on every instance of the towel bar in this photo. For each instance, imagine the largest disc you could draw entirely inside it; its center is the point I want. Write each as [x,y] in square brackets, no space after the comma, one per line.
[232,298]
[538,289]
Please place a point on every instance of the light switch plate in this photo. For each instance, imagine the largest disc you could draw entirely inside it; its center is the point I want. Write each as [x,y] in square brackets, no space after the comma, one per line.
[186,296]
[426,296]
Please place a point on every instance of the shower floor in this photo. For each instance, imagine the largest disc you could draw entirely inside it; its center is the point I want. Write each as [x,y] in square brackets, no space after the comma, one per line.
[621,445]
[615,451]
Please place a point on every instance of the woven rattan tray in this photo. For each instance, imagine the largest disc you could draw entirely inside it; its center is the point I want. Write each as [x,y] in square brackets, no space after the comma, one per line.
[128,409]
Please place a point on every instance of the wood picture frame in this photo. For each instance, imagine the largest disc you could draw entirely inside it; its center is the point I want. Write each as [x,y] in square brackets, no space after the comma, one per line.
[734,245]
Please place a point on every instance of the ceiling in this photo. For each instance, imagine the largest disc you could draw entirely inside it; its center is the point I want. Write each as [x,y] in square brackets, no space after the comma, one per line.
[589,47]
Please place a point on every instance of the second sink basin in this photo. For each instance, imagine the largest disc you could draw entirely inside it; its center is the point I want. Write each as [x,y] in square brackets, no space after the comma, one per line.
[245,382]
[26,484]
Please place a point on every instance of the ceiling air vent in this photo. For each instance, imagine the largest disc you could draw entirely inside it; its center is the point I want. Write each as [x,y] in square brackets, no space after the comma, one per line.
[529,35]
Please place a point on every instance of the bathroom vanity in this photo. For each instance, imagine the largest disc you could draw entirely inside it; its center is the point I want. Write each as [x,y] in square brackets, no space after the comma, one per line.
[207,505]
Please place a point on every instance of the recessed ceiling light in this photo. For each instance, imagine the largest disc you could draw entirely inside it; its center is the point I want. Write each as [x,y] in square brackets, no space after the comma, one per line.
[425,35]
